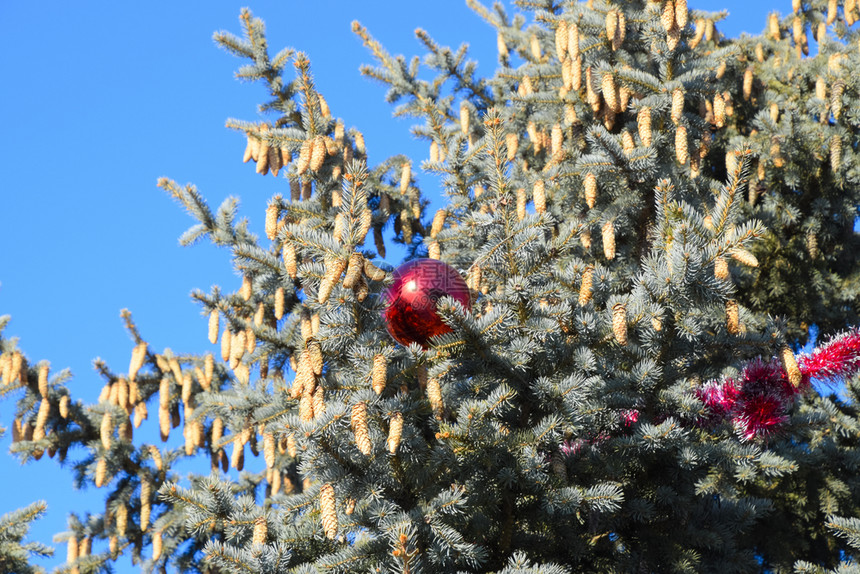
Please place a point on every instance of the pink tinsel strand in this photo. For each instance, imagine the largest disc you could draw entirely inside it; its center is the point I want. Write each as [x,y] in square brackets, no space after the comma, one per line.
[719,397]
[756,401]
[759,415]
[839,358]
[629,416]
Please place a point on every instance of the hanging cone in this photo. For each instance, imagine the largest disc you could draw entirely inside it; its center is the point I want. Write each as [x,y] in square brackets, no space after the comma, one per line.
[789,363]
[667,16]
[677,105]
[359,427]
[643,123]
[682,152]
[681,13]
[434,394]
[586,287]
[608,233]
[561,37]
[328,512]
[379,373]
[43,378]
[732,317]
[539,196]
[590,186]
[747,83]
[395,431]
[573,41]
[627,143]
[619,323]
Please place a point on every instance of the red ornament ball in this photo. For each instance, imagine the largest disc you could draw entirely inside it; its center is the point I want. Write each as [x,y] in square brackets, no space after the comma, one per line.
[410,302]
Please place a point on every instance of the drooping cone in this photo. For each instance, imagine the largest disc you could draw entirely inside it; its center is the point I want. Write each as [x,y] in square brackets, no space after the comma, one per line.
[682,152]
[747,83]
[789,363]
[434,394]
[539,196]
[608,234]
[586,287]
[101,472]
[590,185]
[395,430]
[43,379]
[106,430]
[643,123]
[261,530]
[512,145]
[733,325]
[619,323]
[269,449]
[719,110]
[359,427]
[522,200]
[328,512]
[721,268]
[379,373]
[677,105]
[213,328]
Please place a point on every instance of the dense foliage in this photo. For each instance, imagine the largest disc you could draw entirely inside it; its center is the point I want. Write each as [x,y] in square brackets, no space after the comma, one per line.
[649,217]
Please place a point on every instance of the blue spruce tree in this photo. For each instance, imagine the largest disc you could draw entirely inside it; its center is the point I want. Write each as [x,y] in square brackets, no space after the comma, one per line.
[648,217]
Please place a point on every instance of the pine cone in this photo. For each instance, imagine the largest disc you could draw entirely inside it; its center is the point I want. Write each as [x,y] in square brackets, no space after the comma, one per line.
[732,317]
[682,152]
[245,290]
[573,41]
[434,394]
[677,105]
[354,269]
[101,473]
[747,83]
[719,110]
[395,430]
[835,152]
[379,373]
[521,203]
[359,427]
[405,177]
[789,363]
[590,185]
[681,13]
[43,378]
[105,431]
[269,449]
[619,323]
[539,196]
[627,143]
[608,233]
[557,142]
[279,303]
[464,121]
[328,512]
[261,530]
[512,144]
[586,286]
[643,122]
[667,16]
[561,37]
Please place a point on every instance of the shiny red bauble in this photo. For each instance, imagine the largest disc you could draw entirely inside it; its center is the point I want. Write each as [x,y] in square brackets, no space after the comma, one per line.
[410,302]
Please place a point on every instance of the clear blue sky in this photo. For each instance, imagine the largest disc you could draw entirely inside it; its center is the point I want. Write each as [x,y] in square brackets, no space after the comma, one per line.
[99,100]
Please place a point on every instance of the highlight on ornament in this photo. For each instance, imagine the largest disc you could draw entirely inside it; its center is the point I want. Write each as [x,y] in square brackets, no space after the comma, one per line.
[410,313]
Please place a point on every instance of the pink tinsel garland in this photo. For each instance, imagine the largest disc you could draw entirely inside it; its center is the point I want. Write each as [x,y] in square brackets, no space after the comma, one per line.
[757,400]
